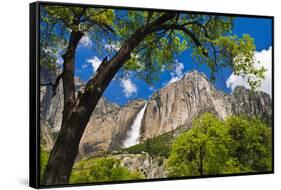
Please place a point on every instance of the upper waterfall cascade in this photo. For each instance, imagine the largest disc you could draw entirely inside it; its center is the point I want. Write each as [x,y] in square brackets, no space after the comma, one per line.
[134,133]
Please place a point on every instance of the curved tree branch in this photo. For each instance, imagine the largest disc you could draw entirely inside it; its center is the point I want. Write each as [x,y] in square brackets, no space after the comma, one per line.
[59,77]
[77,113]
[193,37]
[54,85]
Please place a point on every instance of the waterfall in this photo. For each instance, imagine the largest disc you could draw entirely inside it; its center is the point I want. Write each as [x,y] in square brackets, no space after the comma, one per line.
[134,133]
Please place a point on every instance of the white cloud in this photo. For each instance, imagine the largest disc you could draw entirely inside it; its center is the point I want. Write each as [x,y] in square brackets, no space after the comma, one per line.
[173,79]
[59,60]
[95,62]
[112,47]
[58,55]
[86,41]
[151,88]
[129,88]
[179,68]
[84,66]
[177,73]
[264,57]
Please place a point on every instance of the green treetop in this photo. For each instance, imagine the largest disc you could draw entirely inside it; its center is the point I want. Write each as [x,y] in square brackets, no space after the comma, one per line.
[213,146]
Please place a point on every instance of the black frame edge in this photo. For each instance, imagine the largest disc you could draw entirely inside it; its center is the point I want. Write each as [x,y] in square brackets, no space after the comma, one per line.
[151,9]
[34,97]
[34,175]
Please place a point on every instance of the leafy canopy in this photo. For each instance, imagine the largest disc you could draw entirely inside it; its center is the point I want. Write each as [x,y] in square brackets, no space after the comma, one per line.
[209,37]
[57,22]
[214,147]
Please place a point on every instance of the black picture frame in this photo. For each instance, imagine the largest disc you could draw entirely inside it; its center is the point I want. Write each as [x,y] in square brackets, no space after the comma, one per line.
[34,94]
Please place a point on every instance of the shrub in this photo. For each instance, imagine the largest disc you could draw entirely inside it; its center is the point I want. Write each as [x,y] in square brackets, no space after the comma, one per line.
[157,146]
[101,170]
[44,157]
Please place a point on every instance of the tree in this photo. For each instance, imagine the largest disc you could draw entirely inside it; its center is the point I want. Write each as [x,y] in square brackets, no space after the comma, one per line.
[148,40]
[214,147]
[200,151]
[253,143]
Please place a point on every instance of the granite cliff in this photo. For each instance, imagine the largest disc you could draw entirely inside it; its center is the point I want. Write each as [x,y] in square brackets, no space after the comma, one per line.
[172,107]
[180,102]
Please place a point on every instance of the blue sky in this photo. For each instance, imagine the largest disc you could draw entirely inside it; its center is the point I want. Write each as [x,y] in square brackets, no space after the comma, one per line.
[121,91]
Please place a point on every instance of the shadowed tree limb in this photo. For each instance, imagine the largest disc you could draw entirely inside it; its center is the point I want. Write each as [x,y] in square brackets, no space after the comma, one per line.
[77,113]
[54,85]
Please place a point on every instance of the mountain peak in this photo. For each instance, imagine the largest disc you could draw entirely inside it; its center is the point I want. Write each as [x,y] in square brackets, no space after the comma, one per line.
[195,74]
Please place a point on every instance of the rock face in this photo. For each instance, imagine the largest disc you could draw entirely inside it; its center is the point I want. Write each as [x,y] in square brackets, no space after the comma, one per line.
[150,167]
[173,106]
[180,102]
[108,126]
[50,107]
[46,137]
[245,102]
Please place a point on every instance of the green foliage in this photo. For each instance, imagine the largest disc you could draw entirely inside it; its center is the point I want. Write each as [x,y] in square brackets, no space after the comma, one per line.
[253,143]
[240,53]
[56,23]
[101,170]
[44,157]
[79,18]
[213,147]
[157,146]
[209,37]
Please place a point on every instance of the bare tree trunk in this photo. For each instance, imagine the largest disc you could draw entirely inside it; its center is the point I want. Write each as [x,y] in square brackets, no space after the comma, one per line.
[78,112]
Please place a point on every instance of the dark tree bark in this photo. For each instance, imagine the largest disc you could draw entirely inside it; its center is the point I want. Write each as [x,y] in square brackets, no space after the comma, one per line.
[57,170]
[201,158]
[77,113]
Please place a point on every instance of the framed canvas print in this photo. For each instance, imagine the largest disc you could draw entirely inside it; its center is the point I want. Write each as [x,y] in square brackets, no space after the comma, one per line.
[120,94]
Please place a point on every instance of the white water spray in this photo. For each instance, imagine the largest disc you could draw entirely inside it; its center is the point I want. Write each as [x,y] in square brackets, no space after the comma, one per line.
[134,133]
